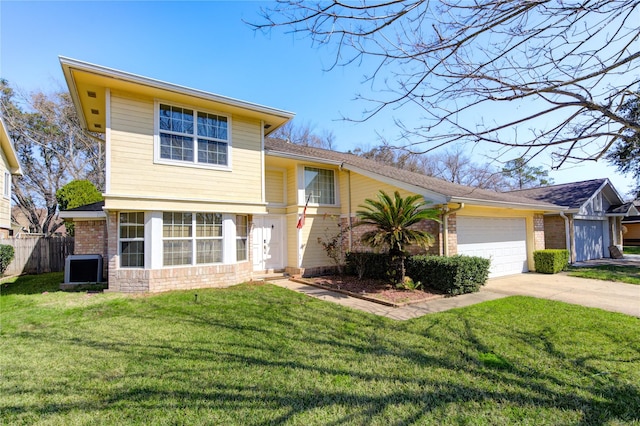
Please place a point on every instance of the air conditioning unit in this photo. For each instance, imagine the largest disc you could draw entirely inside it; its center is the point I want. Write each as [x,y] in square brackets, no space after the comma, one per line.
[83,268]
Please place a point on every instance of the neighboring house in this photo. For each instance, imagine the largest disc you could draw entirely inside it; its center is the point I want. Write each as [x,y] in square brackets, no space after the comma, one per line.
[22,225]
[592,222]
[198,195]
[631,226]
[9,165]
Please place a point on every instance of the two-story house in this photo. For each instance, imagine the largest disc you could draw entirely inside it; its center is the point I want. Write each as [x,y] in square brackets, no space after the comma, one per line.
[198,195]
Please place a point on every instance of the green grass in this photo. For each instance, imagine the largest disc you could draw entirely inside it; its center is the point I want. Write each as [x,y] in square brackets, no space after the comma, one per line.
[256,355]
[631,250]
[623,274]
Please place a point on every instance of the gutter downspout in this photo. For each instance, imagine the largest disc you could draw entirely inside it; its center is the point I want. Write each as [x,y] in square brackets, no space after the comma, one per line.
[567,236]
[445,228]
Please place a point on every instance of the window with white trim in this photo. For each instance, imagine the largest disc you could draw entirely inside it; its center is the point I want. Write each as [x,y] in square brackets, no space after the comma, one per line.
[191,136]
[131,239]
[242,236]
[7,185]
[319,186]
[180,242]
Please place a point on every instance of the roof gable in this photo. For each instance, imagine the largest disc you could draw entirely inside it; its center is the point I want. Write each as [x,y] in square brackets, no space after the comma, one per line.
[437,189]
[573,195]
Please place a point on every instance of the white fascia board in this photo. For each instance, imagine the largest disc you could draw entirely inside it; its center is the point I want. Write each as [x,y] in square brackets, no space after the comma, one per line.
[86,215]
[509,205]
[428,195]
[68,63]
[300,157]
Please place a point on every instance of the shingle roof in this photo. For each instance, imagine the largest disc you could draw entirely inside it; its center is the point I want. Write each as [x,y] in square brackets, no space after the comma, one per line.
[93,207]
[572,195]
[447,189]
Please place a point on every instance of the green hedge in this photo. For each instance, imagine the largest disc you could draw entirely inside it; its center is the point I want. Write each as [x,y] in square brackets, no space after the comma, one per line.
[550,261]
[6,256]
[451,275]
[372,265]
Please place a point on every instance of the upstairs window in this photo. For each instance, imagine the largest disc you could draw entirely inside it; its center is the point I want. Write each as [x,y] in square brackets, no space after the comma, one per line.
[319,186]
[191,136]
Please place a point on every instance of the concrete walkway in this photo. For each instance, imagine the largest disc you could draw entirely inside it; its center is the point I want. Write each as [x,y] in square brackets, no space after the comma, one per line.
[616,297]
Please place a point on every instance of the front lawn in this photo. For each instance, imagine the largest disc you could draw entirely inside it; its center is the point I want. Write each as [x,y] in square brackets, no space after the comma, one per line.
[623,274]
[631,250]
[260,354]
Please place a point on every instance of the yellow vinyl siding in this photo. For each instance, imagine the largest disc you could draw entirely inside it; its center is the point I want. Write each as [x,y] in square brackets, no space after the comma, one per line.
[5,203]
[323,227]
[363,187]
[274,186]
[133,171]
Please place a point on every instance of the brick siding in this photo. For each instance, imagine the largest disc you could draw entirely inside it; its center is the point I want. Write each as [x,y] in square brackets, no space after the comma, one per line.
[358,246]
[554,232]
[91,238]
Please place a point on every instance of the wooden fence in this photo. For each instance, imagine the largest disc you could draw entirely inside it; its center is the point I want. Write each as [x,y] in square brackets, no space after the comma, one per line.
[38,255]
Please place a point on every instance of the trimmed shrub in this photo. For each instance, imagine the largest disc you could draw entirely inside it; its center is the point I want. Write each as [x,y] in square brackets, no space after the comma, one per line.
[368,265]
[6,256]
[451,275]
[550,261]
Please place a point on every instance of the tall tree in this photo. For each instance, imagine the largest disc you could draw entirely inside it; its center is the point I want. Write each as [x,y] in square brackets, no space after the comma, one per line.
[303,134]
[453,165]
[526,75]
[391,219]
[52,149]
[625,155]
[520,175]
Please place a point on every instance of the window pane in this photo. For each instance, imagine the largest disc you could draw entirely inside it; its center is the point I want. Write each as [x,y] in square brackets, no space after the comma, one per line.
[209,251]
[132,254]
[174,147]
[176,225]
[212,152]
[208,225]
[241,249]
[212,126]
[241,226]
[319,183]
[177,252]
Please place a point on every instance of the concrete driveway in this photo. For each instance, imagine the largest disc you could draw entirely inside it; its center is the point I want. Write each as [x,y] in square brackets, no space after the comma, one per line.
[611,296]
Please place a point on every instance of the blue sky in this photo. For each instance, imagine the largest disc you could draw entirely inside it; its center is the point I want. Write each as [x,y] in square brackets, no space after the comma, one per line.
[207,46]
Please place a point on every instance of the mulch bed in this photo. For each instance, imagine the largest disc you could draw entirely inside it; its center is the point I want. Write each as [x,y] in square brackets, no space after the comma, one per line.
[375,290]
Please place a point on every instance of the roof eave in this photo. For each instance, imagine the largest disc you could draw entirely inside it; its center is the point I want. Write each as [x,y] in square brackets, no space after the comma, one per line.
[9,150]
[75,214]
[508,204]
[69,64]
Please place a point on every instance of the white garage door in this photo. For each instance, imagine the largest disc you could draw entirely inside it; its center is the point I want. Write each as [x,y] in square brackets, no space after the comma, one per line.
[503,240]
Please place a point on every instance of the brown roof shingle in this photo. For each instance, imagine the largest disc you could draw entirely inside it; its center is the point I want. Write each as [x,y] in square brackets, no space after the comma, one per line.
[451,191]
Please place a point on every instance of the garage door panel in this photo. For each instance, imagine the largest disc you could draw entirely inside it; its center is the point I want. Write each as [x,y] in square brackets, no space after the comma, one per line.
[502,240]
[588,240]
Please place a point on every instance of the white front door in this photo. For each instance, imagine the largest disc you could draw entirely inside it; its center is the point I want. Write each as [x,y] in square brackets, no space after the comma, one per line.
[268,242]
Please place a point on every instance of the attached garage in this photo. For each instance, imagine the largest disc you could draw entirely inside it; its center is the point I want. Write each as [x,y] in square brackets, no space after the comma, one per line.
[589,240]
[503,240]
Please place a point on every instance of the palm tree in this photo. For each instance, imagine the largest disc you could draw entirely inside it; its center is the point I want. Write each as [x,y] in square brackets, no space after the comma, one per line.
[392,219]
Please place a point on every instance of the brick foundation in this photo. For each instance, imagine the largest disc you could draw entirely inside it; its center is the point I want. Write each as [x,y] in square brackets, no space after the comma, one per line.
[179,278]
